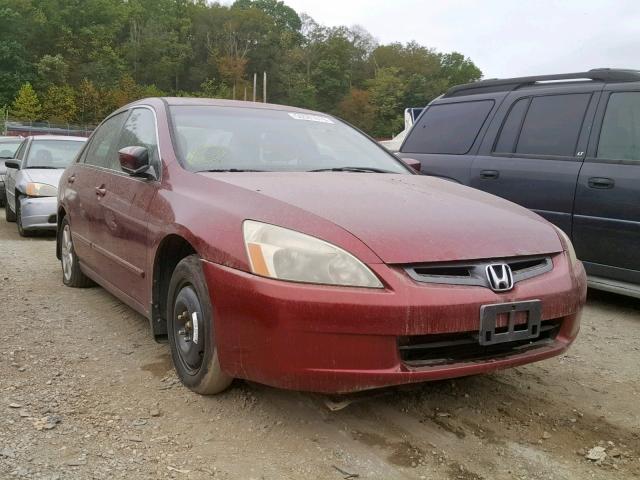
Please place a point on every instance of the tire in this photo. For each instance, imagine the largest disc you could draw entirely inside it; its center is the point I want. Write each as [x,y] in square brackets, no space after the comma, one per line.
[3,200]
[21,230]
[190,330]
[9,215]
[72,276]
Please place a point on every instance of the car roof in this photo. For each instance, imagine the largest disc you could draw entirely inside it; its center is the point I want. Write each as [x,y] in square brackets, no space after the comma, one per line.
[57,137]
[496,85]
[217,102]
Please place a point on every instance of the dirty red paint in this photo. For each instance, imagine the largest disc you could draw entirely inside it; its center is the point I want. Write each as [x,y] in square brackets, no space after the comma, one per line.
[312,337]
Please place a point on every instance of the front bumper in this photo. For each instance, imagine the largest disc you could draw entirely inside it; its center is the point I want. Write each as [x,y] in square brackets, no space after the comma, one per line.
[38,213]
[338,340]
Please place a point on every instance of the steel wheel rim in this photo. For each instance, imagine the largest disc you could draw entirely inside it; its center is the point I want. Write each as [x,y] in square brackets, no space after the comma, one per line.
[67,253]
[188,327]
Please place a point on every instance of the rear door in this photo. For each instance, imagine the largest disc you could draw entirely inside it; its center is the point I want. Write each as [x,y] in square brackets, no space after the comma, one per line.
[447,134]
[533,152]
[606,224]
[121,235]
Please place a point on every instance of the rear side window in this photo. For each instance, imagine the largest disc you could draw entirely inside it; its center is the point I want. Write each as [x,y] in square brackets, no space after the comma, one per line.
[449,128]
[552,125]
[511,128]
[620,134]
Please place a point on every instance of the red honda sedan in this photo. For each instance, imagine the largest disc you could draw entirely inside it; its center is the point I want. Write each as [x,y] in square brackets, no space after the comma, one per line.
[283,246]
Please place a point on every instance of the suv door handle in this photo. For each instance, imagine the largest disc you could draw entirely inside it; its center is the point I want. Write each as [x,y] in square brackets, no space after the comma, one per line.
[101,191]
[489,174]
[71,179]
[601,182]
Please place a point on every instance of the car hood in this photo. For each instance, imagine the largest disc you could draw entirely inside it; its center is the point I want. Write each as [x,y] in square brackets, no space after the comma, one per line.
[50,176]
[409,218]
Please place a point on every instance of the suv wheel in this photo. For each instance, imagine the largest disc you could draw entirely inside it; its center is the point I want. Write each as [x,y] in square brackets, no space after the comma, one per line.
[190,328]
[72,276]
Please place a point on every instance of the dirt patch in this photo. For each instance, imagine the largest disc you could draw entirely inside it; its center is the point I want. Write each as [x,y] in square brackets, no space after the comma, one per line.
[85,392]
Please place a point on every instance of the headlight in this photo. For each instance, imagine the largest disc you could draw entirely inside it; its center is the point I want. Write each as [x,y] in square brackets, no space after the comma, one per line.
[41,190]
[568,246]
[285,254]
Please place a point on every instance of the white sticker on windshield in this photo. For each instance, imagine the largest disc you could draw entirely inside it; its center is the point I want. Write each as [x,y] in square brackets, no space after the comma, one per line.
[310,118]
[194,321]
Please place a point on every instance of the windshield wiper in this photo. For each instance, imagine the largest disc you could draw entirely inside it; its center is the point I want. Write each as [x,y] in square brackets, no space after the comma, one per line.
[43,166]
[352,169]
[228,170]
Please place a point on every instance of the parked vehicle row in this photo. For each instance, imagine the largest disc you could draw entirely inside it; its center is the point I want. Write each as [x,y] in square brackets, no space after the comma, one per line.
[31,181]
[280,245]
[565,146]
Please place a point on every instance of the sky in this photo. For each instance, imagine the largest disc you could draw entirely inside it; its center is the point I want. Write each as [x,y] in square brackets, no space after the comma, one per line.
[503,38]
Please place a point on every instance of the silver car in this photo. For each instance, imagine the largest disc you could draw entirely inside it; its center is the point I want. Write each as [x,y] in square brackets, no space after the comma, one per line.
[8,147]
[31,183]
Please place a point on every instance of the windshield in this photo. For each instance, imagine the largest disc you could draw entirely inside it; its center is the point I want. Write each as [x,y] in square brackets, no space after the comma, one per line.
[52,153]
[226,138]
[8,148]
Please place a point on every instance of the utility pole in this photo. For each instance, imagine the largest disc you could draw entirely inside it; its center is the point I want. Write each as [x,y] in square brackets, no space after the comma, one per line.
[255,85]
[264,88]
[245,93]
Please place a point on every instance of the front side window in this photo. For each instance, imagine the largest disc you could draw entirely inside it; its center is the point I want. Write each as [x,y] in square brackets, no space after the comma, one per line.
[449,128]
[140,131]
[102,149]
[52,153]
[620,134]
[225,138]
[552,125]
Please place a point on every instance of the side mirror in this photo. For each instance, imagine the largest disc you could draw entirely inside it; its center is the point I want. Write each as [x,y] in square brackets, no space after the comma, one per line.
[135,162]
[413,163]
[13,163]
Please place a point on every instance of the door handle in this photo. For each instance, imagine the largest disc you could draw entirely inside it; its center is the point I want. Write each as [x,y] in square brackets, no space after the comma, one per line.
[101,191]
[489,174]
[71,179]
[601,182]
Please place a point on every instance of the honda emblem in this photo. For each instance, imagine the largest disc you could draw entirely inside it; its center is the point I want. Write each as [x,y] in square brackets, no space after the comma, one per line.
[500,277]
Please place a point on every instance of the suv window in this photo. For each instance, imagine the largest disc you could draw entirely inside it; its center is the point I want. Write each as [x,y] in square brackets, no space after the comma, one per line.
[552,125]
[140,131]
[620,134]
[101,152]
[511,127]
[449,128]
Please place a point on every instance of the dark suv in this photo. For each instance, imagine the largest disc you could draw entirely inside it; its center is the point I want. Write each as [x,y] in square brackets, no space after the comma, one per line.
[566,146]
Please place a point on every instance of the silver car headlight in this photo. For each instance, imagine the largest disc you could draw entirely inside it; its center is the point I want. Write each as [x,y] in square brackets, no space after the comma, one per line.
[41,190]
[285,254]
[567,245]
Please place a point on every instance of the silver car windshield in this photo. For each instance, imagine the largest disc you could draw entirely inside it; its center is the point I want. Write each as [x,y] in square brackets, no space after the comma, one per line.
[52,153]
[8,148]
[214,138]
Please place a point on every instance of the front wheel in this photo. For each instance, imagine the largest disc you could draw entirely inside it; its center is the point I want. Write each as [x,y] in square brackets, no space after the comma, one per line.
[72,276]
[190,328]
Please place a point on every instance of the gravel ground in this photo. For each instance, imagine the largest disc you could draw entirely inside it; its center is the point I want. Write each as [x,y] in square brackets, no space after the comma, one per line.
[86,393]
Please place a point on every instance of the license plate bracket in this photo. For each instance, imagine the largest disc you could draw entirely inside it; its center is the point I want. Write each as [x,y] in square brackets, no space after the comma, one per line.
[490,333]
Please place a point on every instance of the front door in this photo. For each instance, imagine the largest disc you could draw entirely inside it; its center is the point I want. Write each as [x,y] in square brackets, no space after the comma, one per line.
[606,224]
[82,197]
[122,234]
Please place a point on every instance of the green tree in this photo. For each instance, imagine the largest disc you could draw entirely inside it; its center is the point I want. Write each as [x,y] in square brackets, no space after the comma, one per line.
[387,91]
[357,109]
[26,105]
[52,70]
[59,104]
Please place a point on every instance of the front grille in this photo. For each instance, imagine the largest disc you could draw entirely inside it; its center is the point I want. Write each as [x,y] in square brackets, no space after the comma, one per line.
[474,272]
[446,348]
